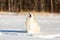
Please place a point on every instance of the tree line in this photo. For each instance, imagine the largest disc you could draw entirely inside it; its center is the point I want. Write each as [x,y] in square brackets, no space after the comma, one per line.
[30,5]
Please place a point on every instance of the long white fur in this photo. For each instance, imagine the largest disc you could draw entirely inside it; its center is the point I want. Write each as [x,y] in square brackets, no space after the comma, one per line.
[31,25]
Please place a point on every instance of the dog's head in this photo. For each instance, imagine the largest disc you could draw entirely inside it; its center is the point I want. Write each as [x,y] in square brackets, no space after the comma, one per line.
[30,15]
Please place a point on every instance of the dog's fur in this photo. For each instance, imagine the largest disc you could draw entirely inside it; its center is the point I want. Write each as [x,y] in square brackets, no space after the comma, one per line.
[31,24]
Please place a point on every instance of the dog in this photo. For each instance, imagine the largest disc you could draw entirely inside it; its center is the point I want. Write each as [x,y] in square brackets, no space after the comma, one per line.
[31,24]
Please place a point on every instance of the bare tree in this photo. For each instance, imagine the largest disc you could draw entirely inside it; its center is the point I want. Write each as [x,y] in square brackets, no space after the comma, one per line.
[1,5]
[52,6]
[20,5]
[9,5]
[42,5]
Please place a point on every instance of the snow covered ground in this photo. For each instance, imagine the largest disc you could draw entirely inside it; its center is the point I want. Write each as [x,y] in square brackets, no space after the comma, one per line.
[48,24]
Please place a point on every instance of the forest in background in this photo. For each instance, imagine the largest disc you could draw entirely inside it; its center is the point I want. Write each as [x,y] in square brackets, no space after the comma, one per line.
[51,6]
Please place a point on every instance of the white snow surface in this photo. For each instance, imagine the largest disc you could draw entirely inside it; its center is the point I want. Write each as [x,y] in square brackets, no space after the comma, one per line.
[49,27]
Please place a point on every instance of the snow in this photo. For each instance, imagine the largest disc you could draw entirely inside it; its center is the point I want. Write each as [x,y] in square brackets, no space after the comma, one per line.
[17,22]
[48,25]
